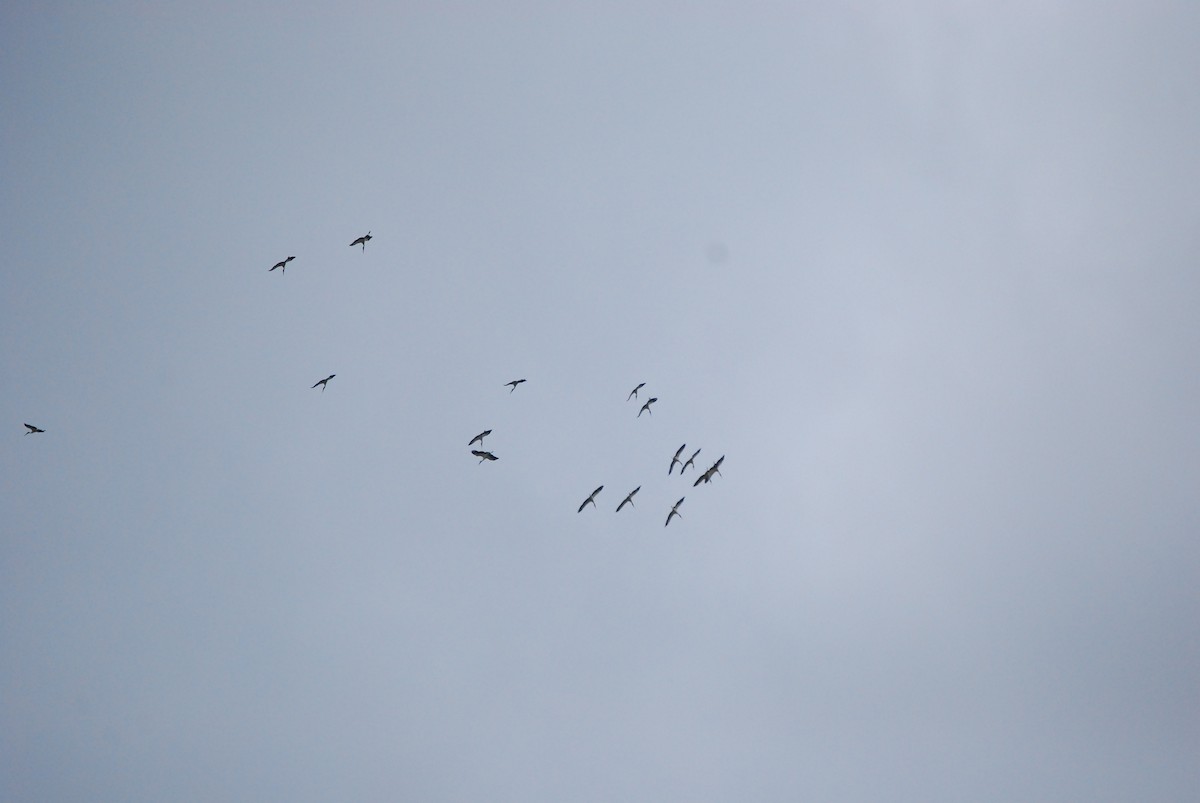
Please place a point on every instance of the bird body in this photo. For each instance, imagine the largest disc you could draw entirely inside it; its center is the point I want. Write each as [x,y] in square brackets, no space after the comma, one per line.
[282,265]
[691,461]
[675,460]
[362,241]
[324,382]
[479,438]
[484,455]
[514,384]
[633,393]
[591,499]
[32,429]
[675,510]
[646,407]
[628,500]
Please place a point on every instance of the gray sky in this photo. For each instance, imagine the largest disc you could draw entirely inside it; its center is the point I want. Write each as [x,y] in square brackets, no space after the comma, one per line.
[924,272]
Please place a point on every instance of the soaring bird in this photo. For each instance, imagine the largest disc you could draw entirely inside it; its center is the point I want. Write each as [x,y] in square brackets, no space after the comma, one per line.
[32,429]
[715,468]
[628,500]
[646,407]
[514,384]
[324,382]
[362,241]
[480,437]
[591,498]
[675,459]
[484,455]
[633,393]
[675,510]
[282,266]
[691,461]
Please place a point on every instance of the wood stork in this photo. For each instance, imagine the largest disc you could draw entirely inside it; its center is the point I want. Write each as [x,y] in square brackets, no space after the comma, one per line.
[479,438]
[675,460]
[633,393]
[282,265]
[628,500]
[691,461]
[514,384]
[646,407]
[715,468]
[324,382]
[675,510]
[484,455]
[32,429]
[591,498]
[362,241]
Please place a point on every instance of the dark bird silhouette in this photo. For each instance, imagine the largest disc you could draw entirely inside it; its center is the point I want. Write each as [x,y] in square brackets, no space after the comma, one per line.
[691,461]
[514,384]
[633,393]
[480,437]
[282,266]
[32,429]
[646,407]
[675,460]
[324,382]
[675,510]
[362,241]
[591,498]
[628,500]
[484,455]
[715,468]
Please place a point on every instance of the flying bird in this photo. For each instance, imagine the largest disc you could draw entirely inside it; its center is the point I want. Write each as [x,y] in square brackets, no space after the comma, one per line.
[675,510]
[591,498]
[628,500]
[324,382]
[514,384]
[32,429]
[715,468]
[633,393]
[480,437]
[282,266]
[646,407]
[675,459]
[484,455]
[691,461]
[362,241]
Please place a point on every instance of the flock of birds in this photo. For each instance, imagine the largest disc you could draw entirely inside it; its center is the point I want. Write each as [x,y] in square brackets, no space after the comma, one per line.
[705,477]
[486,456]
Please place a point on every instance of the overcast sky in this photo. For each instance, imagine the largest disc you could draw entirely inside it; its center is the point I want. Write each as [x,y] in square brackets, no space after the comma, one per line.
[925,273]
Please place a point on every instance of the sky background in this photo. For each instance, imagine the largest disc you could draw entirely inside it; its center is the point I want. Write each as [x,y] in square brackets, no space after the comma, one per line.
[924,272]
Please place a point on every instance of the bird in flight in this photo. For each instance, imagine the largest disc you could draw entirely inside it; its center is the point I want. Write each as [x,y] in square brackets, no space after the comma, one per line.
[628,500]
[675,510]
[324,382]
[715,468]
[32,429]
[484,455]
[480,437]
[514,384]
[282,265]
[633,393]
[691,461]
[675,460]
[362,241]
[646,407]
[591,498]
